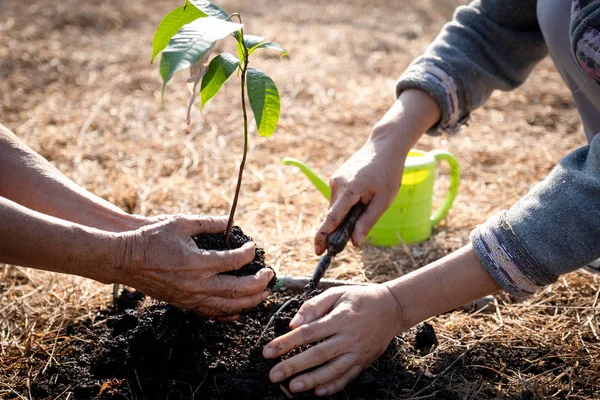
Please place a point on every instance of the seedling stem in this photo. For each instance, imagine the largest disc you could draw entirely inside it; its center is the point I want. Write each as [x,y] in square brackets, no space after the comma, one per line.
[245,114]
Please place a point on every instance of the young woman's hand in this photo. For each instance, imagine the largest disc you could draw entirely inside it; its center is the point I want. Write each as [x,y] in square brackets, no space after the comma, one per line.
[373,174]
[356,325]
[163,261]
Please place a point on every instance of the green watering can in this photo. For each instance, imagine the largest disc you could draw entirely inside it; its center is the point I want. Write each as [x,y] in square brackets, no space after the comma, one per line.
[409,218]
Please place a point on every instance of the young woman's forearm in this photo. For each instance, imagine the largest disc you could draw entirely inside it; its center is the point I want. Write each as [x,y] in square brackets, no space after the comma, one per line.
[28,179]
[411,115]
[443,285]
[455,279]
[32,239]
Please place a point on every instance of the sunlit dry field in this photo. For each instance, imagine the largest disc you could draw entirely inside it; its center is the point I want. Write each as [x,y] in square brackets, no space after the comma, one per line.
[76,84]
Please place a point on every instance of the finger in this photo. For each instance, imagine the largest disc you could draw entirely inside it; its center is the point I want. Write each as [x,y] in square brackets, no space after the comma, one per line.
[314,356]
[336,185]
[316,307]
[330,372]
[309,333]
[340,383]
[368,219]
[225,260]
[232,287]
[193,225]
[334,217]
[221,307]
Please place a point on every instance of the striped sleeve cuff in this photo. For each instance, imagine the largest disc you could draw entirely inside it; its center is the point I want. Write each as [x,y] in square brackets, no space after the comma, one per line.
[506,260]
[427,75]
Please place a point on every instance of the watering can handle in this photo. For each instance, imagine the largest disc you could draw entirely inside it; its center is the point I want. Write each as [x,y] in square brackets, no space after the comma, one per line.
[454,184]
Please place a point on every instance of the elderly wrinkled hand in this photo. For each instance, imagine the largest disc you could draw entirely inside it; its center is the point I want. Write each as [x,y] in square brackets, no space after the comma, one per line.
[163,261]
[355,324]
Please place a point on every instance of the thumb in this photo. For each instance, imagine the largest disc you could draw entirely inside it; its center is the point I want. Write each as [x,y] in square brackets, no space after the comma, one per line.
[316,307]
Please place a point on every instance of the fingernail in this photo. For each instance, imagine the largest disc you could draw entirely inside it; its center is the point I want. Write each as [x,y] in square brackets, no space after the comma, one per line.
[269,272]
[321,391]
[297,386]
[269,352]
[277,376]
[297,321]
[266,294]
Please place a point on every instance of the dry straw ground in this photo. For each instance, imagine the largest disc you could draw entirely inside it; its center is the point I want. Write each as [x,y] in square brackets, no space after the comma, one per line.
[77,86]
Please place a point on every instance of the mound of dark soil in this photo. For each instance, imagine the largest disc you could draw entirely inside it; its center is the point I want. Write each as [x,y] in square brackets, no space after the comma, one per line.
[156,351]
[140,349]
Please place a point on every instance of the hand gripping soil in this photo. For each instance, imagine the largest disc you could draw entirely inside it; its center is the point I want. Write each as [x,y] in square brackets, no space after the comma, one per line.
[336,242]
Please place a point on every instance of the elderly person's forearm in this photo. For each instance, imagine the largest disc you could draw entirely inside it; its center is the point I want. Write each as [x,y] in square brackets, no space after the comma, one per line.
[28,179]
[161,259]
[32,239]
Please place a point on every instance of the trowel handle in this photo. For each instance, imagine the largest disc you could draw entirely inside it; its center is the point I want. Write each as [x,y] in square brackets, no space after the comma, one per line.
[337,240]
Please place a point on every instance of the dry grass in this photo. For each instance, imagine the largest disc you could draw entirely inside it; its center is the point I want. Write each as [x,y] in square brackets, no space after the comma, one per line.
[77,86]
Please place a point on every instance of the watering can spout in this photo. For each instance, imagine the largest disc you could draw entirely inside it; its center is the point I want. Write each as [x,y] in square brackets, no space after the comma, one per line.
[315,179]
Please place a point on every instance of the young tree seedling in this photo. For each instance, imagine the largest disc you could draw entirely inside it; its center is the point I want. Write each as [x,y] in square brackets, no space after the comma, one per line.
[186,38]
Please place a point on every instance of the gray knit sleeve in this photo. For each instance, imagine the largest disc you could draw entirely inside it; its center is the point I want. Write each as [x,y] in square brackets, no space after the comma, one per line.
[553,230]
[490,44]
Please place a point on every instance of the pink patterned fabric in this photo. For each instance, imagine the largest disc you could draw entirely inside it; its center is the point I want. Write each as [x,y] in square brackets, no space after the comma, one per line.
[585,35]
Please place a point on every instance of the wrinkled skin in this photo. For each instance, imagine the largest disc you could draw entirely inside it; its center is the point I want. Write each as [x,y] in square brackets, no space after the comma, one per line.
[57,225]
[162,260]
[356,325]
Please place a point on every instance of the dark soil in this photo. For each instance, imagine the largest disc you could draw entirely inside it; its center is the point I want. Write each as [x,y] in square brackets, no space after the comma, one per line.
[151,350]
[141,349]
[237,238]
[425,338]
[156,351]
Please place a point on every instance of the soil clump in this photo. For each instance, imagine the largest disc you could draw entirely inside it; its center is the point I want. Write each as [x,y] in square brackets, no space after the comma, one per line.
[237,238]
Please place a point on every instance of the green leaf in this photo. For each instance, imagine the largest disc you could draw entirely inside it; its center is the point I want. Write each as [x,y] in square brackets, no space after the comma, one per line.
[213,11]
[190,44]
[272,46]
[264,100]
[251,42]
[219,70]
[209,8]
[171,24]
